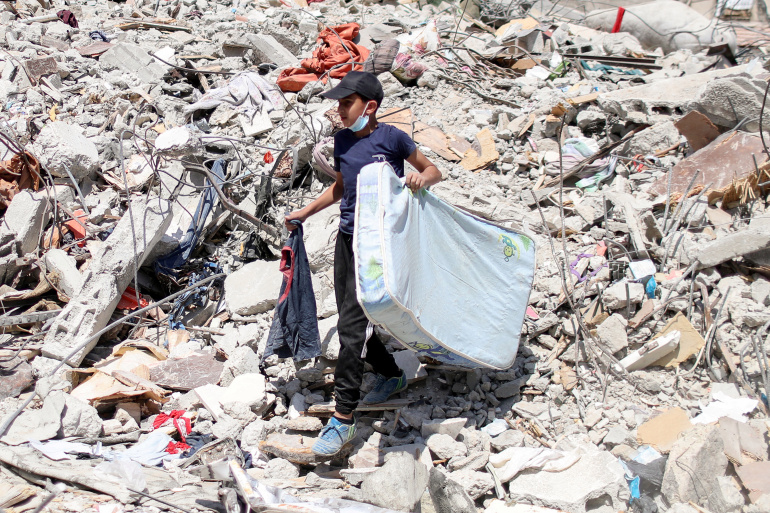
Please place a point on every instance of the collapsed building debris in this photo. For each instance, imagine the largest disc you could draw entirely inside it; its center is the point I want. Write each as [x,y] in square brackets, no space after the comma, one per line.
[148,154]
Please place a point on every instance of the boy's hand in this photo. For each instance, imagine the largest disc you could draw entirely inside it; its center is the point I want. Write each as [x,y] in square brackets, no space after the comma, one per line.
[296,215]
[416,181]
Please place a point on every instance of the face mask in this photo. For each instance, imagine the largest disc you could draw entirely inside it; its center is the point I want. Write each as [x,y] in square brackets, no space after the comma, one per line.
[361,122]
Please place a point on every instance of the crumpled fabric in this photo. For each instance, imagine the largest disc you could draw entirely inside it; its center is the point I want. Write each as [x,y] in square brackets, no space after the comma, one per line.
[246,92]
[329,53]
[381,58]
[515,459]
[174,417]
[574,151]
[606,68]
[99,35]
[17,174]
[58,450]
[294,332]
[68,17]
[151,451]
[179,256]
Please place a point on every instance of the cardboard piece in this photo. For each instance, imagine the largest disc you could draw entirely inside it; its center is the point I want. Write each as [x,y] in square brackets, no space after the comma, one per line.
[478,160]
[424,134]
[586,98]
[647,308]
[524,24]
[690,341]
[697,129]
[662,431]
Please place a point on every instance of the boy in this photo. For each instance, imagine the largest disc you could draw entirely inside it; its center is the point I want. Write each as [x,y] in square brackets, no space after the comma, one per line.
[361,143]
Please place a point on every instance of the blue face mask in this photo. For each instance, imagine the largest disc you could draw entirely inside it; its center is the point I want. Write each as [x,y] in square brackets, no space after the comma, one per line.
[361,122]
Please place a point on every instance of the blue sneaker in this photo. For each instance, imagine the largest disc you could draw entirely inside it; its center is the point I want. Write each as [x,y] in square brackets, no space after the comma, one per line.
[334,436]
[384,388]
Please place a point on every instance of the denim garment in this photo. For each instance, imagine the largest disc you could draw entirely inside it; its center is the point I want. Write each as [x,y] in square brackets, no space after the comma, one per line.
[294,332]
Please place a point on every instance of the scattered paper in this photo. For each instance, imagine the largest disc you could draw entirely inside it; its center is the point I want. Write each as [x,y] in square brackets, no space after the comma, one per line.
[725,406]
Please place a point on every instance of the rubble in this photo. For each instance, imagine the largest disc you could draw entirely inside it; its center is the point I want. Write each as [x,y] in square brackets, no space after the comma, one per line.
[148,154]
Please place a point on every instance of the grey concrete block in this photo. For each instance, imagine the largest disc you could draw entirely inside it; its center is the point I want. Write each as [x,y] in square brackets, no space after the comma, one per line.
[110,272]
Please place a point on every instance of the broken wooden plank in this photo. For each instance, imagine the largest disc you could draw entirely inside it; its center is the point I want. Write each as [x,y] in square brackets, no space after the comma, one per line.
[147,25]
[328,408]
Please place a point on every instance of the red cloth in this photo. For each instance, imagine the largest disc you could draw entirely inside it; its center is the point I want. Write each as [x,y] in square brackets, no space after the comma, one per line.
[175,416]
[330,52]
[176,447]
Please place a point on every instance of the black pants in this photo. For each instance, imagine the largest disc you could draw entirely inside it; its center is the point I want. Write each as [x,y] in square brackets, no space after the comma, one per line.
[351,328]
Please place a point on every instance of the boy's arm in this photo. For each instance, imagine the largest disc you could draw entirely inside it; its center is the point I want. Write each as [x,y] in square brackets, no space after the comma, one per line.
[330,196]
[427,173]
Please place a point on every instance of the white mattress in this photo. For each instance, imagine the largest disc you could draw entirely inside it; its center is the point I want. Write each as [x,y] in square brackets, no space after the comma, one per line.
[445,283]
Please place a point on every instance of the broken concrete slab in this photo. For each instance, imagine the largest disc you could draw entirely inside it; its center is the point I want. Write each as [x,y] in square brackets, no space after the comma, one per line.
[247,388]
[612,332]
[210,396]
[615,297]
[672,97]
[17,376]
[25,218]
[307,424]
[110,272]
[596,475]
[63,272]
[677,26]
[731,246]
[41,424]
[253,288]
[268,49]
[695,462]
[296,448]
[133,58]
[62,147]
[746,95]
[187,373]
[80,419]
[451,427]
[398,485]
[448,495]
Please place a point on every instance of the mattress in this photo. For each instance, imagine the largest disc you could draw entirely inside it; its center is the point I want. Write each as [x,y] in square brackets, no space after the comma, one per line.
[443,282]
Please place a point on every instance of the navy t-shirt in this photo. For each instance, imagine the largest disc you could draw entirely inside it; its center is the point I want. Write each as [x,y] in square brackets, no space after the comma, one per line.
[351,153]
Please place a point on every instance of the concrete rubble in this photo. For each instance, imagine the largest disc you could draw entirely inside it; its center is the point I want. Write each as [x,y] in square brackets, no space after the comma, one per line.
[151,149]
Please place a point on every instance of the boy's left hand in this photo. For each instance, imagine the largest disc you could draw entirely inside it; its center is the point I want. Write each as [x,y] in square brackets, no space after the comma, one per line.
[415,181]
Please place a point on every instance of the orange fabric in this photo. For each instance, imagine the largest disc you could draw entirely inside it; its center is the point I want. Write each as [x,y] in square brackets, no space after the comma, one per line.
[329,53]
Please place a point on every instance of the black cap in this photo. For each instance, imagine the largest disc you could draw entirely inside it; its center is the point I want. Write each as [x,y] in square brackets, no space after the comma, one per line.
[361,82]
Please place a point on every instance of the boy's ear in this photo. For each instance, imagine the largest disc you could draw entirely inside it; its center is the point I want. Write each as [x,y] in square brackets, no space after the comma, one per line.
[372,107]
